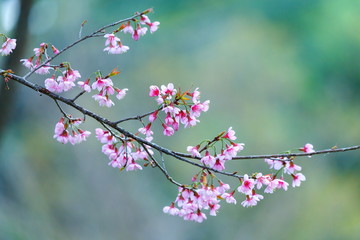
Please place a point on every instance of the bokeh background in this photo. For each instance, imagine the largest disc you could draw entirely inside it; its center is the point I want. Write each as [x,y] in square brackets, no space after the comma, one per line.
[281,73]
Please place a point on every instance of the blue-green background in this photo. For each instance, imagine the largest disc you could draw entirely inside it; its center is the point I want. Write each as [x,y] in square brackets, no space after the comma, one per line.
[281,73]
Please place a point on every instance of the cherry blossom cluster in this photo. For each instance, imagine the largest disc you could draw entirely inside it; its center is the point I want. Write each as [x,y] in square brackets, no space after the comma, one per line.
[191,204]
[192,201]
[122,152]
[217,160]
[8,46]
[40,55]
[179,108]
[105,88]
[113,44]
[57,83]
[67,130]
[63,82]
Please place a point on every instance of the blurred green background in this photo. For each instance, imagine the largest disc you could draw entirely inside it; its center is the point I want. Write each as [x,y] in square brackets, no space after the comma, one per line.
[281,73]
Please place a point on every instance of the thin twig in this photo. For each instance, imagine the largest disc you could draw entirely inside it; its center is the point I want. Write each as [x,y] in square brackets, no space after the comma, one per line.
[163,170]
[288,155]
[61,110]
[135,117]
[77,96]
[94,34]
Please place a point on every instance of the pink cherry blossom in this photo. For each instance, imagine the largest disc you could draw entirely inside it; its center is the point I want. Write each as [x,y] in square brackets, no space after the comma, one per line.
[74,138]
[121,93]
[199,216]
[65,84]
[308,148]
[40,51]
[291,167]
[250,201]
[71,75]
[111,39]
[160,100]
[281,184]
[169,120]
[62,134]
[43,70]
[128,29]
[63,137]
[168,90]
[189,121]
[104,136]
[144,19]
[219,164]
[171,109]
[115,163]
[138,32]
[172,210]
[213,207]
[230,134]
[194,151]
[168,131]
[52,85]
[133,166]
[85,85]
[140,154]
[154,91]
[297,179]
[103,100]
[153,26]
[55,50]
[232,150]
[27,63]
[146,130]
[142,30]
[276,164]
[208,159]
[223,187]
[59,127]
[114,45]
[153,116]
[262,180]
[247,185]
[195,96]
[8,46]
[83,135]
[229,197]
[271,186]
[196,109]
[110,150]
[100,83]
[175,125]
[205,106]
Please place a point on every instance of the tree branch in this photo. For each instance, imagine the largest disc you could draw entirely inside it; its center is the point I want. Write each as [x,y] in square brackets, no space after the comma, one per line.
[94,34]
[180,156]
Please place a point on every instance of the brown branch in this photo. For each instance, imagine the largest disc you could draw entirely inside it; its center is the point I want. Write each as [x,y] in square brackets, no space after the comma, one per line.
[135,117]
[285,155]
[111,124]
[180,156]
[288,155]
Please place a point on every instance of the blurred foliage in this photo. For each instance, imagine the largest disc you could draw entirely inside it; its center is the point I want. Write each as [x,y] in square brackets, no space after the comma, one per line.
[282,73]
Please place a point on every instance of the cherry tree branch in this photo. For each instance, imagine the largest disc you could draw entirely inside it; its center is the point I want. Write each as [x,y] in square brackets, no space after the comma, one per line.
[284,155]
[180,156]
[100,119]
[136,117]
[94,34]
